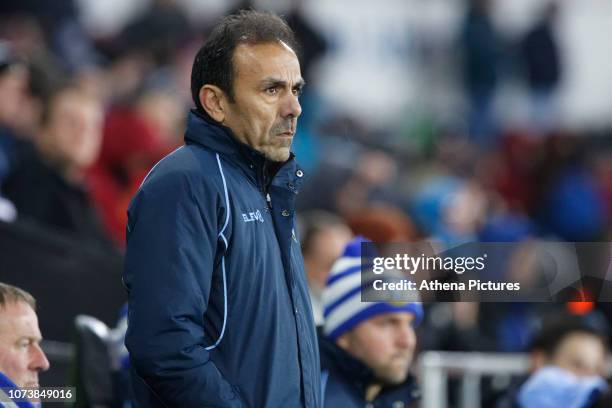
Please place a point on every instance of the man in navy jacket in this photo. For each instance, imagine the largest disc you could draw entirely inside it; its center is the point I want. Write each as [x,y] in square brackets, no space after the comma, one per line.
[219,313]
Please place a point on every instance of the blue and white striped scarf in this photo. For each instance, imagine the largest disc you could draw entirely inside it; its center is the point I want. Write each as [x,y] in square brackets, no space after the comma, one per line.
[5,401]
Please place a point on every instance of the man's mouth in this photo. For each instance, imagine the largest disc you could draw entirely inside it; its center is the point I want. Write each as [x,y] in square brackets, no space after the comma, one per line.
[286,134]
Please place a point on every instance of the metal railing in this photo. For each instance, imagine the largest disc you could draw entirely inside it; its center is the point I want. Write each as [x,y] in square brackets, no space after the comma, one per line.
[435,367]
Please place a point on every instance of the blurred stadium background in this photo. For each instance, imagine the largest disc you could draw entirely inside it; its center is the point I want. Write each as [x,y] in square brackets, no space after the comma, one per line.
[422,119]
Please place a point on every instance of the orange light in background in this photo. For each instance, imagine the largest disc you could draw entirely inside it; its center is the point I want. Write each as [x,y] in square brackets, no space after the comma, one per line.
[582,305]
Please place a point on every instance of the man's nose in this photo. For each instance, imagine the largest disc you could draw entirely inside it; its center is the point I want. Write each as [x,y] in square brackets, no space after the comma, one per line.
[291,106]
[406,338]
[39,360]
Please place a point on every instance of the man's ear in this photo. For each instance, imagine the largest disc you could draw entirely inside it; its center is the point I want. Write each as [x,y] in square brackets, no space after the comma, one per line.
[211,98]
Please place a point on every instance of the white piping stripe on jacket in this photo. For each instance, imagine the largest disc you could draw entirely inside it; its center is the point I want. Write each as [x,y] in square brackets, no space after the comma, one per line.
[153,168]
[227,211]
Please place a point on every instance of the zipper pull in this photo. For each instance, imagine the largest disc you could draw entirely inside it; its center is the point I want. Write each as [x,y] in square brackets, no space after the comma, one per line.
[269,200]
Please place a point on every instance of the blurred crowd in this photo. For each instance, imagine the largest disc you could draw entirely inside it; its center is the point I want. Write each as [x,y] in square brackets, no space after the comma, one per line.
[83,118]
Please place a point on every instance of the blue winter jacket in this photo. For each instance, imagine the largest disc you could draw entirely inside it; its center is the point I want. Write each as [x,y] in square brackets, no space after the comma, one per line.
[219,312]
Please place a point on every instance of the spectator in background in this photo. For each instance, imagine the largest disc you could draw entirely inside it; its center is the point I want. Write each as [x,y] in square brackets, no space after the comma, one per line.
[569,203]
[323,237]
[567,366]
[572,344]
[314,43]
[512,170]
[13,84]
[369,177]
[366,347]
[21,357]
[47,184]
[136,136]
[371,180]
[449,210]
[542,60]
[382,223]
[511,324]
[481,60]
[313,47]
[170,24]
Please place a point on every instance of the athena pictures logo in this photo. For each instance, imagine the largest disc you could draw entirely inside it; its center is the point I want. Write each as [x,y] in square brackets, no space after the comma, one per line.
[533,271]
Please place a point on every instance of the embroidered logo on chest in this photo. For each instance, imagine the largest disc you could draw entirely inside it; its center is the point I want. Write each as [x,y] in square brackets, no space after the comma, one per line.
[252,216]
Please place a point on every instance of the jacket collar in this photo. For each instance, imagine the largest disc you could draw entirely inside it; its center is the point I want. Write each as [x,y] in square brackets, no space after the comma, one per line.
[351,369]
[206,132]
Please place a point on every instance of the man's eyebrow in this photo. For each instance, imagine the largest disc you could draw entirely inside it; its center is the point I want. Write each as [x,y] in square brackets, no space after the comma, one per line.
[33,339]
[270,81]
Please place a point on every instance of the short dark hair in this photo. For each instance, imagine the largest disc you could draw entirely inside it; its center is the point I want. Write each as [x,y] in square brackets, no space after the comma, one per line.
[13,294]
[213,63]
[555,332]
[312,223]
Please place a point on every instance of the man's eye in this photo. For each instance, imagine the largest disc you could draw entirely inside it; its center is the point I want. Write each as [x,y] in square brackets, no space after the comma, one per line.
[272,90]
[297,91]
[384,322]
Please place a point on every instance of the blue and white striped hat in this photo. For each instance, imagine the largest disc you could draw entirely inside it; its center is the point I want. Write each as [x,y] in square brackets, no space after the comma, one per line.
[343,308]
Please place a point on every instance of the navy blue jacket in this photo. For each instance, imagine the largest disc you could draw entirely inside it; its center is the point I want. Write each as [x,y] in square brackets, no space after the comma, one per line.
[219,312]
[345,381]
